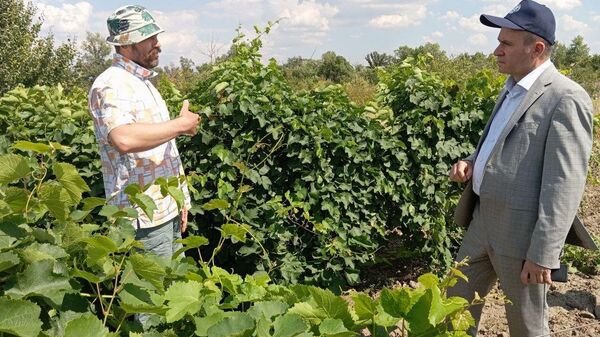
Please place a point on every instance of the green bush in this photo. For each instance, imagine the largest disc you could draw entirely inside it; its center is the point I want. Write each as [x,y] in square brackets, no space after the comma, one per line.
[437,122]
[323,183]
[65,274]
[49,114]
[295,167]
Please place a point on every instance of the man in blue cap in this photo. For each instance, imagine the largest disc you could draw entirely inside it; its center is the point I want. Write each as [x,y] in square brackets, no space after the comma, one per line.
[527,174]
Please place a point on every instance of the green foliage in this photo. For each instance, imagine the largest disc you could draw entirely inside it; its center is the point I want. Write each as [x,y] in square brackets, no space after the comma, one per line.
[297,67]
[578,51]
[49,115]
[375,59]
[62,277]
[171,95]
[93,59]
[576,61]
[334,67]
[275,161]
[457,69]
[302,74]
[306,73]
[405,52]
[585,260]
[27,58]
[320,183]
[360,90]
[185,76]
[313,184]
[437,123]
[19,317]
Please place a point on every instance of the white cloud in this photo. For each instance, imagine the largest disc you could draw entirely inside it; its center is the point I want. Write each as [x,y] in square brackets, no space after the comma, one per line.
[410,16]
[499,9]
[478,39]
[570,24]
[394,6]
[303,22]
[183,30]
[472,23]
[311,14]
[308,14]
[68,19]
[236,8]
[596,18]
[502,7]
[451,15]
[177,20]
[433,37]
[562,4]
[392,21]
[188,44]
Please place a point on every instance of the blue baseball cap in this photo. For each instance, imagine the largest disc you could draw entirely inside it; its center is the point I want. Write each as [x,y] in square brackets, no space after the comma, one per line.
[529,16]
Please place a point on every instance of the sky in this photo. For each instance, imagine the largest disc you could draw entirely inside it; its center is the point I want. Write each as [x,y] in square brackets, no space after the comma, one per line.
[309,28]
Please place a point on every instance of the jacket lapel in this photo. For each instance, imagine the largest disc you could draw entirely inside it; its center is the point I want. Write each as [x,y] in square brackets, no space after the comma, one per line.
[499,101]
[533,94]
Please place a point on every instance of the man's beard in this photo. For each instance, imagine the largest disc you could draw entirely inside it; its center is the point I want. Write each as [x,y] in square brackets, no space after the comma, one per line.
[151,59]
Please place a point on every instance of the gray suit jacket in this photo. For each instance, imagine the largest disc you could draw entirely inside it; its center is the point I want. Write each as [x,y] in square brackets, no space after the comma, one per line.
[535,175]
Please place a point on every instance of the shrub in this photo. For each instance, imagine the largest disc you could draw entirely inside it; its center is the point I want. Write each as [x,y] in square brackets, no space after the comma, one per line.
[321,182]
[62,274]
[48,114]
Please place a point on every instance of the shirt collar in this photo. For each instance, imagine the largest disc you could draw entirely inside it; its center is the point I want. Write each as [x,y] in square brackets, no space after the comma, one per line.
[527,81]
[132,67]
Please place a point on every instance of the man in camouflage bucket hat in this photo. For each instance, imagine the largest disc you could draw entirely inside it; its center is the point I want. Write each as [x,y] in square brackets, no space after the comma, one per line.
[135,135]
[131,24]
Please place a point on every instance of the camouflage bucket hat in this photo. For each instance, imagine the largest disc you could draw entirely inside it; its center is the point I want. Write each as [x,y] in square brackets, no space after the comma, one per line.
[131,24]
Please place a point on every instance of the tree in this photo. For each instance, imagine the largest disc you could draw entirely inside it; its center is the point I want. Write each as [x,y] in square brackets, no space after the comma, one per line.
[94,58]
[559,55]
[301,68]
[212,50]
[433,49]
[185,76]
[404,52]
[334,67]
[26,58]
[578,51]
[375,59]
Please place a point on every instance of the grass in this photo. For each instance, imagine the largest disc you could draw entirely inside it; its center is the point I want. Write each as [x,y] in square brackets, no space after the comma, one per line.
[597,106]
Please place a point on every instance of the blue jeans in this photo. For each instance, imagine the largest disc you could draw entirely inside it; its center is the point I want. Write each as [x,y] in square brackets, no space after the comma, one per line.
[160,240]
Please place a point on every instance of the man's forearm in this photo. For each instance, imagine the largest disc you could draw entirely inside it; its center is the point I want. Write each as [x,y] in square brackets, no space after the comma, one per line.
[138,137]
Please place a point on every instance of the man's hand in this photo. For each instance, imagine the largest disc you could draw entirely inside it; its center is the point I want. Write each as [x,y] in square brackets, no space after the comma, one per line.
[461,171]
[535,274]
[184,219]
[188,120]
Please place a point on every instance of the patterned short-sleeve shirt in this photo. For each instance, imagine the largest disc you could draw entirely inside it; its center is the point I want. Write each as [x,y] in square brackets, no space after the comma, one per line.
[122,95]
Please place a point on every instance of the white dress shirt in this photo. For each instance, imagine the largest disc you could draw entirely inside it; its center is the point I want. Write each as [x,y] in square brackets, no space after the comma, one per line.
[514,97]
